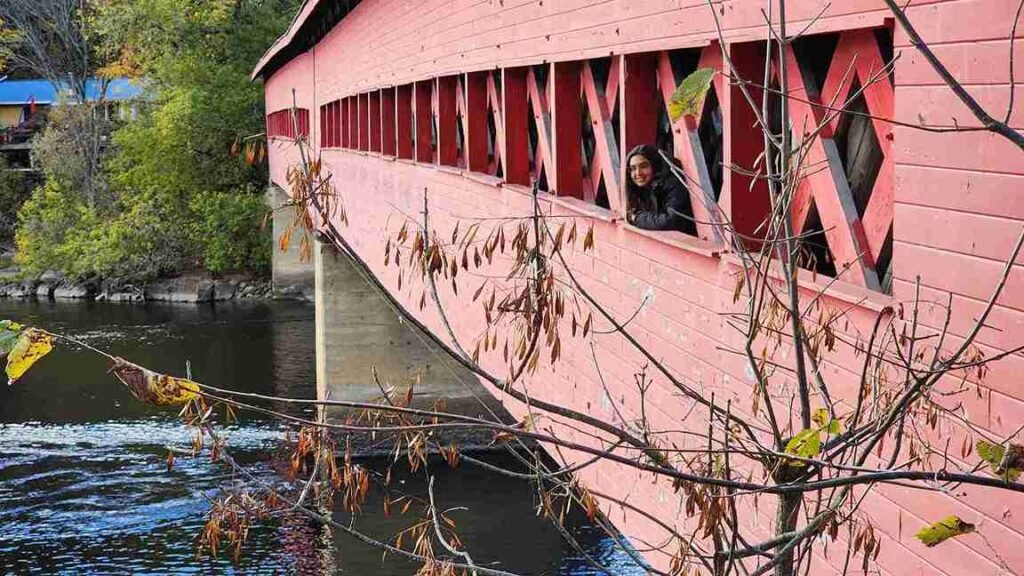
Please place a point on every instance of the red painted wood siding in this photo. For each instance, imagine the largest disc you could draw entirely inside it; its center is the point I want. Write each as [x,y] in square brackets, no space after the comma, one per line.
[957,208]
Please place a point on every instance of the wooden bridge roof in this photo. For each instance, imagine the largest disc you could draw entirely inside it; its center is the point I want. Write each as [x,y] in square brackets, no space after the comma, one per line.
[314,20]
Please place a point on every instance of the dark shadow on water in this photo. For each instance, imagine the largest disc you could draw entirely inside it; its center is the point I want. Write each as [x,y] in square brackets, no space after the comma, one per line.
[84,487]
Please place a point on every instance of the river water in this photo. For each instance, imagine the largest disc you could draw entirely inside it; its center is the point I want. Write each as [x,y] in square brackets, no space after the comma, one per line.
[84,486]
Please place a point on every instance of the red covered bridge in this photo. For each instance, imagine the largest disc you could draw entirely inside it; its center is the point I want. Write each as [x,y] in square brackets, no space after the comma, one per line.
[474,100]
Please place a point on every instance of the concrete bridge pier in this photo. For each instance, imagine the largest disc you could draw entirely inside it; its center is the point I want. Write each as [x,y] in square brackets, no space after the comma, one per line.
[357,332]
[291,277]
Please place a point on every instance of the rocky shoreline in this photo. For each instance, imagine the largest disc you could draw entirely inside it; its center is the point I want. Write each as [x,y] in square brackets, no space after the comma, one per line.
[195,288]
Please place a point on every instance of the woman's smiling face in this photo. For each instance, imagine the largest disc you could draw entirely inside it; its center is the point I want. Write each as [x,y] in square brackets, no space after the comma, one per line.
[640,170]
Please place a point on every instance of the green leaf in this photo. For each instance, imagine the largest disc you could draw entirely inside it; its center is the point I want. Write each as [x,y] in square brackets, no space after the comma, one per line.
[688,99]
[9,332]
[939,532]
[806,444]
[825,422]
[1007,468]
[991,453]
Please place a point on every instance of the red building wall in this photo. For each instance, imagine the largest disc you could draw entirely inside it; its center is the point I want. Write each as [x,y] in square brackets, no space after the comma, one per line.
[957,211]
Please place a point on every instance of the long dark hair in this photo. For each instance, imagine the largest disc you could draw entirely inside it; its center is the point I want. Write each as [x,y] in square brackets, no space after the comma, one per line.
[634,194]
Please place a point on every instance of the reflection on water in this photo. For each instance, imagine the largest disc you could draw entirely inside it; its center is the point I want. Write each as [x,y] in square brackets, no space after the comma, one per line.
[84,487]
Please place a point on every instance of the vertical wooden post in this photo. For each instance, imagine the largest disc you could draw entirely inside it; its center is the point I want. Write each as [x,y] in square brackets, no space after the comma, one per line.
[387,121]
[476,122]
[748,203]
[403,121]
[424,121]
[447,147]
[516,155]
[638,122]
[567,170]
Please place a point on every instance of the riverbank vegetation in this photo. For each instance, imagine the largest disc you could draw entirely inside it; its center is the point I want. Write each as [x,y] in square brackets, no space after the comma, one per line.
[159,189]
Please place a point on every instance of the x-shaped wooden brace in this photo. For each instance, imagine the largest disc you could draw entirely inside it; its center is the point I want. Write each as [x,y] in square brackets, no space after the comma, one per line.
[601,101]
[823,179]
[494,107]
[542,118]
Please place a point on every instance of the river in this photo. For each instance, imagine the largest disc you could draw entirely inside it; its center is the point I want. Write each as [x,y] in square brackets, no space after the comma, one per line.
[85,489]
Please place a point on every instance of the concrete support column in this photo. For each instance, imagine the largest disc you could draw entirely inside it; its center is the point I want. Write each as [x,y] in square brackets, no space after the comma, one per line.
[292,278]
[357,332]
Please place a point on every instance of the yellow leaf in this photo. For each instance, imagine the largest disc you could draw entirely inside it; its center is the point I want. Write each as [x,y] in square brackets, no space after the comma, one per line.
[31,346]
[806,444]
[823,419]
[943,530]
[154,388]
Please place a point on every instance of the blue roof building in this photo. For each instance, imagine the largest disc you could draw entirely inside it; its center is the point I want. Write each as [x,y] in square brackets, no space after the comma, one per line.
[22,92]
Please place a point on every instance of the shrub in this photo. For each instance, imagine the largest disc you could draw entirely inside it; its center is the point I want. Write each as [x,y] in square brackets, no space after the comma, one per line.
[228,228]
[14,190]
[45,222]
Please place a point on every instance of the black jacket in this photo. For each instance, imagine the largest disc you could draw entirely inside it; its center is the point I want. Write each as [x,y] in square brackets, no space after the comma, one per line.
[652,204]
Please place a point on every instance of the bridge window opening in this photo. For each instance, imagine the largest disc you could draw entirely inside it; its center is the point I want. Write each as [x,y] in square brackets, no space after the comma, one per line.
[567,129]
[353,129]
[692,144]
[324,130]
[338,125]
[513,115]
[405,122]
[375,122]
[495,91]
[303,122]
[539,96]
[600,129]
[851,233]
[447,121]
[330,130]
[424,126]
[475,113]
[281,124]
[363,114]
[327,125]
[346,124]
[387,121]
